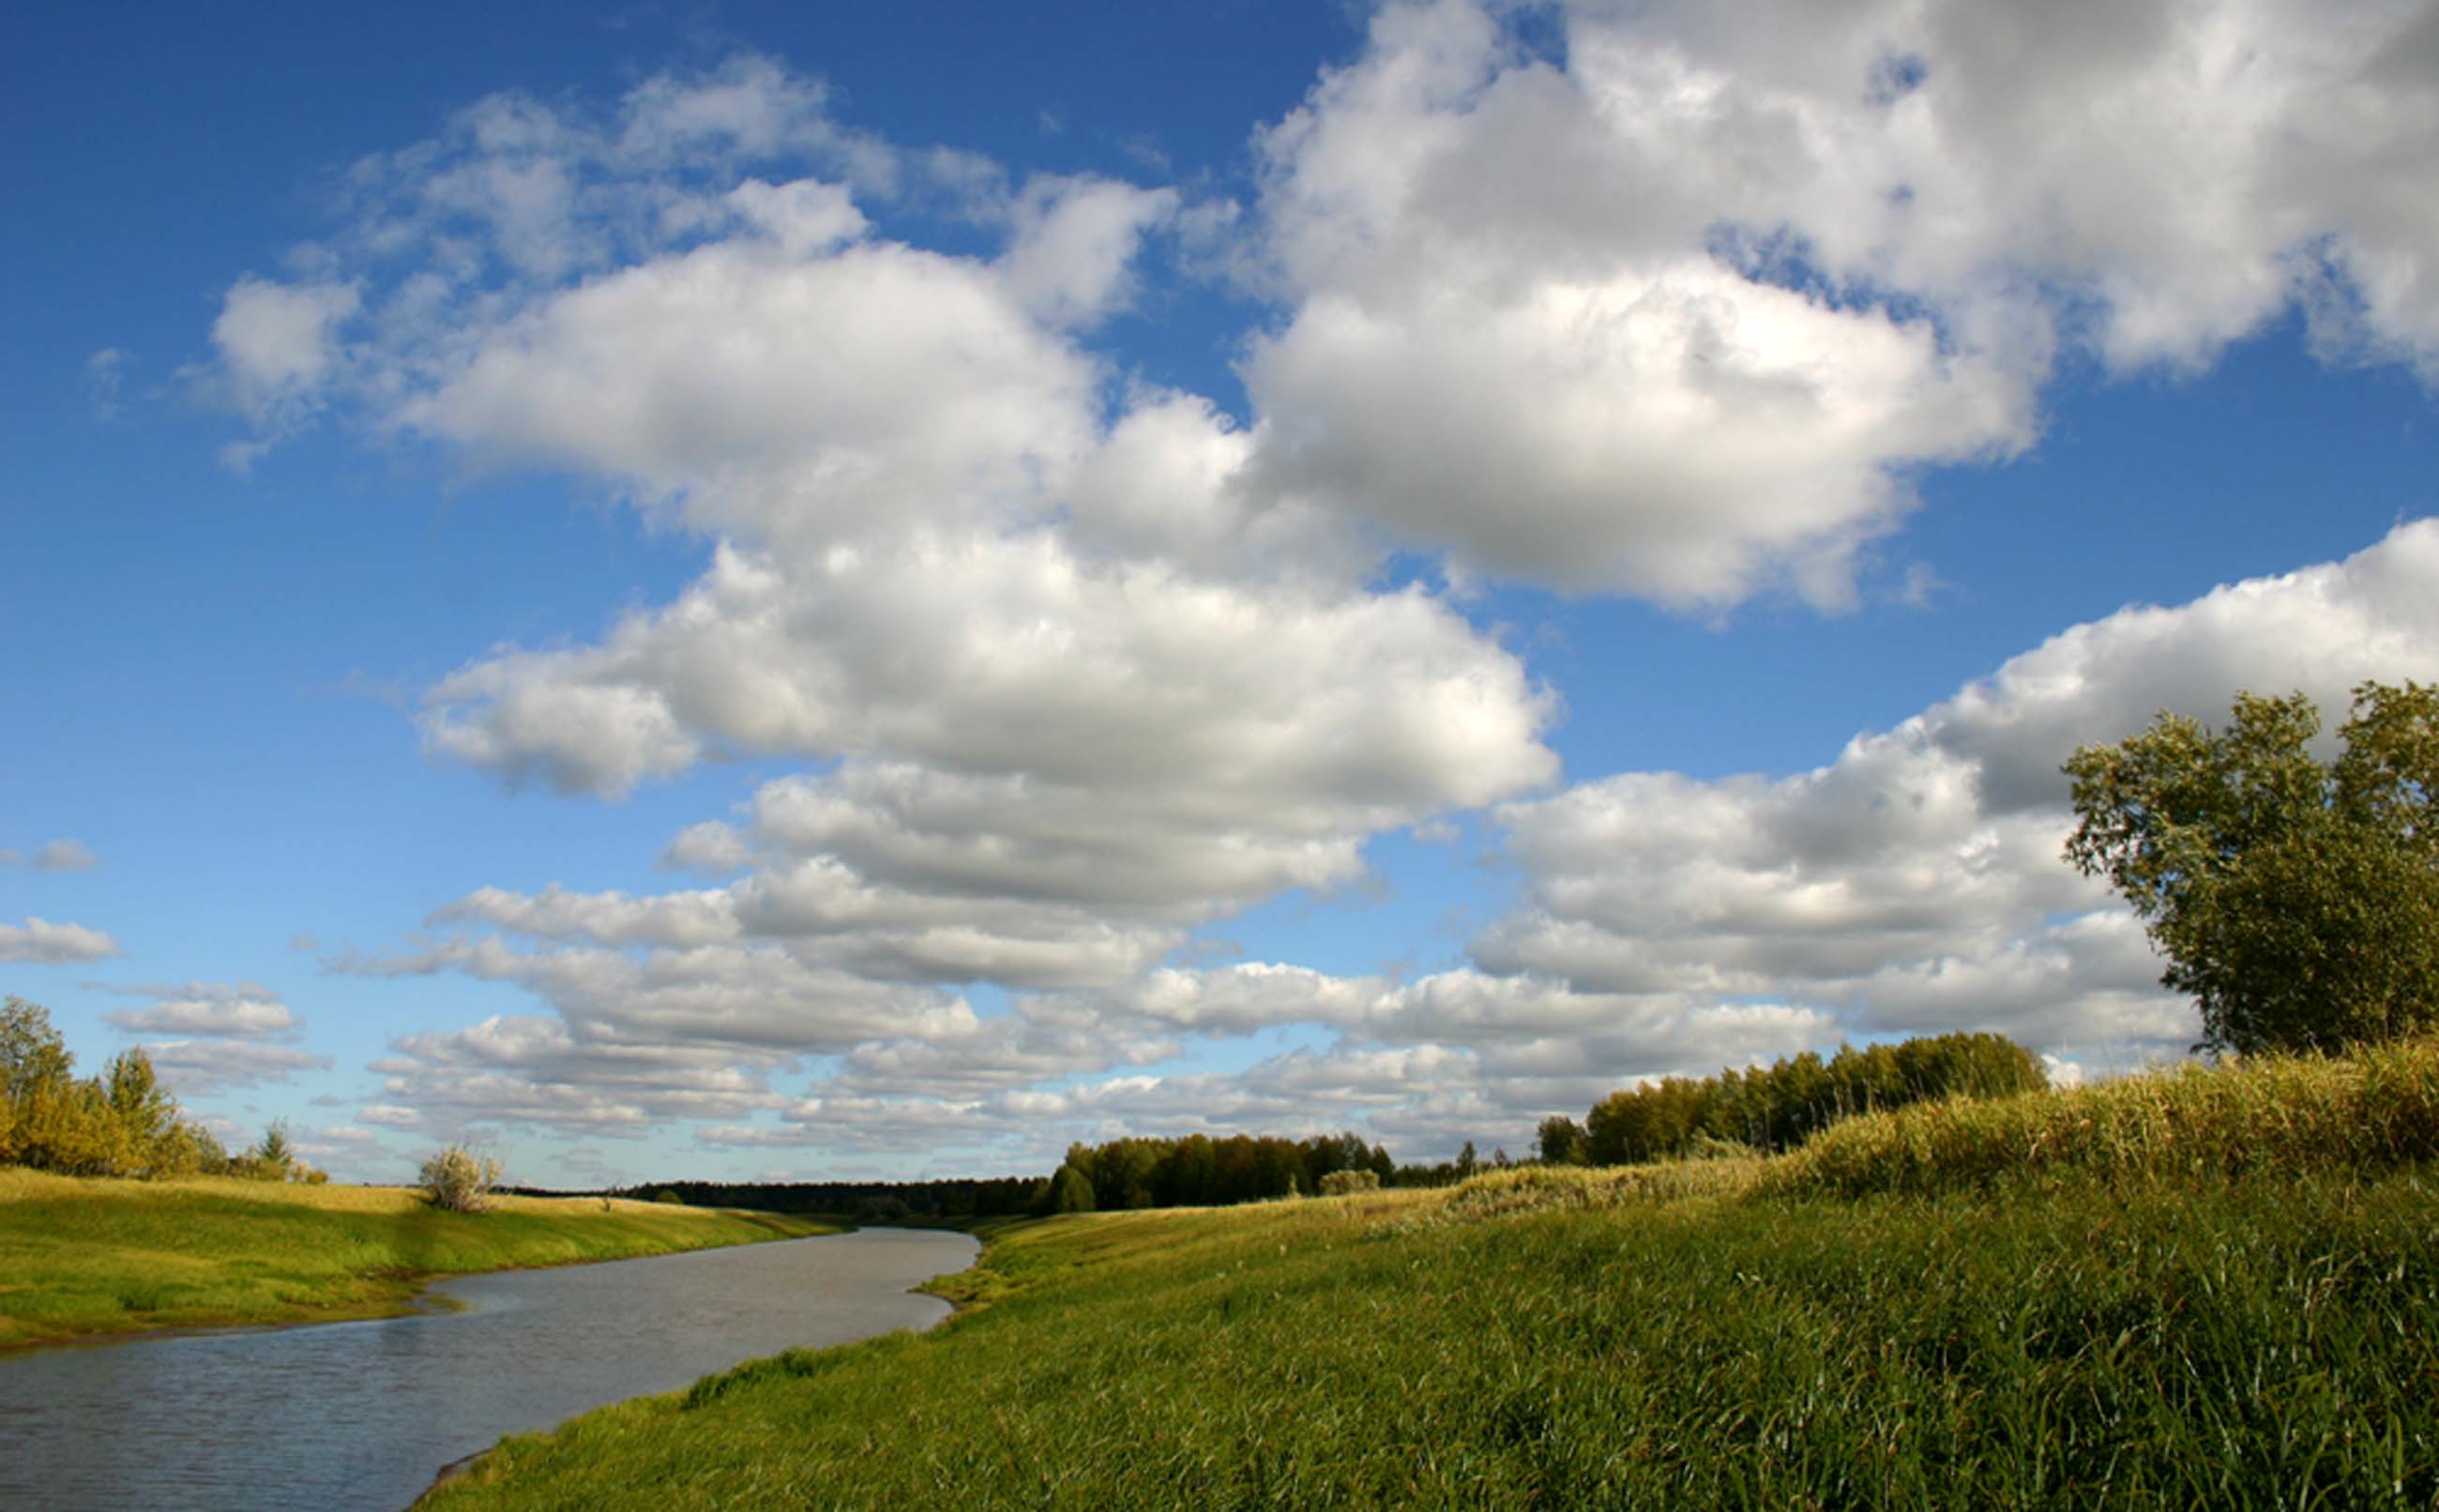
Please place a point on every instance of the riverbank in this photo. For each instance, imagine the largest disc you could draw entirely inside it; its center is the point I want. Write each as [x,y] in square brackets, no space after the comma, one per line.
[2218,1288]
[81,1258]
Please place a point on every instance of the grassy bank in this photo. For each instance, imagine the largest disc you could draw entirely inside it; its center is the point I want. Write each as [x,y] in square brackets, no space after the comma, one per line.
[90,1256]
[2205,1327]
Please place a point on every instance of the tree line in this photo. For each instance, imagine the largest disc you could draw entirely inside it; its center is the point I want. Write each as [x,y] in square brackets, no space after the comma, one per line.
[873,1202]
[1779,1106]
[119,1122]
[1765,1108]
[1197,1170]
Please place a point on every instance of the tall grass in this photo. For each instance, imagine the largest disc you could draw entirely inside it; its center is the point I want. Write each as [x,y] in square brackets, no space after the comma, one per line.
[2291,1115]
[2222,1290]
[81,1257]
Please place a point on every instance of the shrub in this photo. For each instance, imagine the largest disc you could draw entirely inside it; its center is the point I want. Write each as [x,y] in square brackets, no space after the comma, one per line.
[1344,1184]
[459,1181]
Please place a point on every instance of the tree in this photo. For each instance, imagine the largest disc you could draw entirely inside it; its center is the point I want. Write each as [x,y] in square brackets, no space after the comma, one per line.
[1071,1191]
[142,1108]
[2297,900]
[120,1122]
[275,1158]
[33,1057]
[1560,1140]
[34,1076]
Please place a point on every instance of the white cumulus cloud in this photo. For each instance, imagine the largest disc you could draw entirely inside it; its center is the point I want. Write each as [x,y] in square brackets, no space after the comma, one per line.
[1915,884]
[1673,304]
[41,942]
[243,1010]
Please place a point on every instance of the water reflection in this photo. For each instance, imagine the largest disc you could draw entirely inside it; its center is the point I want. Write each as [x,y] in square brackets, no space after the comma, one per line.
[361,1415]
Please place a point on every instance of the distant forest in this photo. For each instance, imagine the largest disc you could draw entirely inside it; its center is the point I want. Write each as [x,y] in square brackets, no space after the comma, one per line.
[1194,1171]
[1765,1108]
[1780,1106]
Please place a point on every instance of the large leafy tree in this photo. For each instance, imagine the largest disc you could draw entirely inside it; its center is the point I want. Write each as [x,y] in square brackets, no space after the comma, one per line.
[2296,899]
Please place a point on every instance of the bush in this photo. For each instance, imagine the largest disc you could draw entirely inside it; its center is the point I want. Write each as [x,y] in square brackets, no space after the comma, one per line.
[459,1181]
[1344,1184]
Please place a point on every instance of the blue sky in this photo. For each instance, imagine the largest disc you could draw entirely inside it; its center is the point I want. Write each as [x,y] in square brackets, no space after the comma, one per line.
[852,591]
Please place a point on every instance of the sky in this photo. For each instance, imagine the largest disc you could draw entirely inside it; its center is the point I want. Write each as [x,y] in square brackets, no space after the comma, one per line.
[833,591]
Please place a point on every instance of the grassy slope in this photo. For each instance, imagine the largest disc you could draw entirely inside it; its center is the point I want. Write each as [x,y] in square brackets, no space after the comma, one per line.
[2131,1330]
[80,1258]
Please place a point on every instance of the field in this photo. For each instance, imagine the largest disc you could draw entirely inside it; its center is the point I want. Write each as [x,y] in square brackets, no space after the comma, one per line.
[87,1257]
[2218,1288]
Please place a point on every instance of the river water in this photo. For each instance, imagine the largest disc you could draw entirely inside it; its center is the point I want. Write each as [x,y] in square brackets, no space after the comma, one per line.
[363,1415]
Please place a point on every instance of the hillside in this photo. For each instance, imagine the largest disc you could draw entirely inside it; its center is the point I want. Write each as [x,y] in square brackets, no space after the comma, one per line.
[2217,1288]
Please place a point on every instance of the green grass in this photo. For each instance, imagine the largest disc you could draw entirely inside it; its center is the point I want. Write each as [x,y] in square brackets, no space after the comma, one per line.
[89,1256]
[2299,1116]
[2199,1328]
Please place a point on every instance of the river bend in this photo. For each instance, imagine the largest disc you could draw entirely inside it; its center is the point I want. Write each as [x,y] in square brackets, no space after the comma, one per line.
[362,1415]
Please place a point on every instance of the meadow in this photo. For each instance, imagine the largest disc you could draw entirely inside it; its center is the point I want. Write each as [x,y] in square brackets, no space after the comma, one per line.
[83,1256]
[2215,1287]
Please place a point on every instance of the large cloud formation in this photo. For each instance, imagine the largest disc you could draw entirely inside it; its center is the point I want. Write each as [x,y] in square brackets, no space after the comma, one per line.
[1914,882]
[1646,300]
[1672,304]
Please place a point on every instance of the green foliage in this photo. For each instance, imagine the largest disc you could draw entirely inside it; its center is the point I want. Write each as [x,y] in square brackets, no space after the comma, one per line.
[33,1057]
[1199,1171]
[1561,1141]
[138,1103]
[1069,1191]
[1346,1184]
[274,1158]
[1666,1336]
[883,1209]
[121,1123]
[954,1197]
[1778,1107]
[457,1180]
[2296,899]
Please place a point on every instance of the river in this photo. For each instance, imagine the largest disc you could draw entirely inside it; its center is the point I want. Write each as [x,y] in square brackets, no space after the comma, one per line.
[363,1415]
